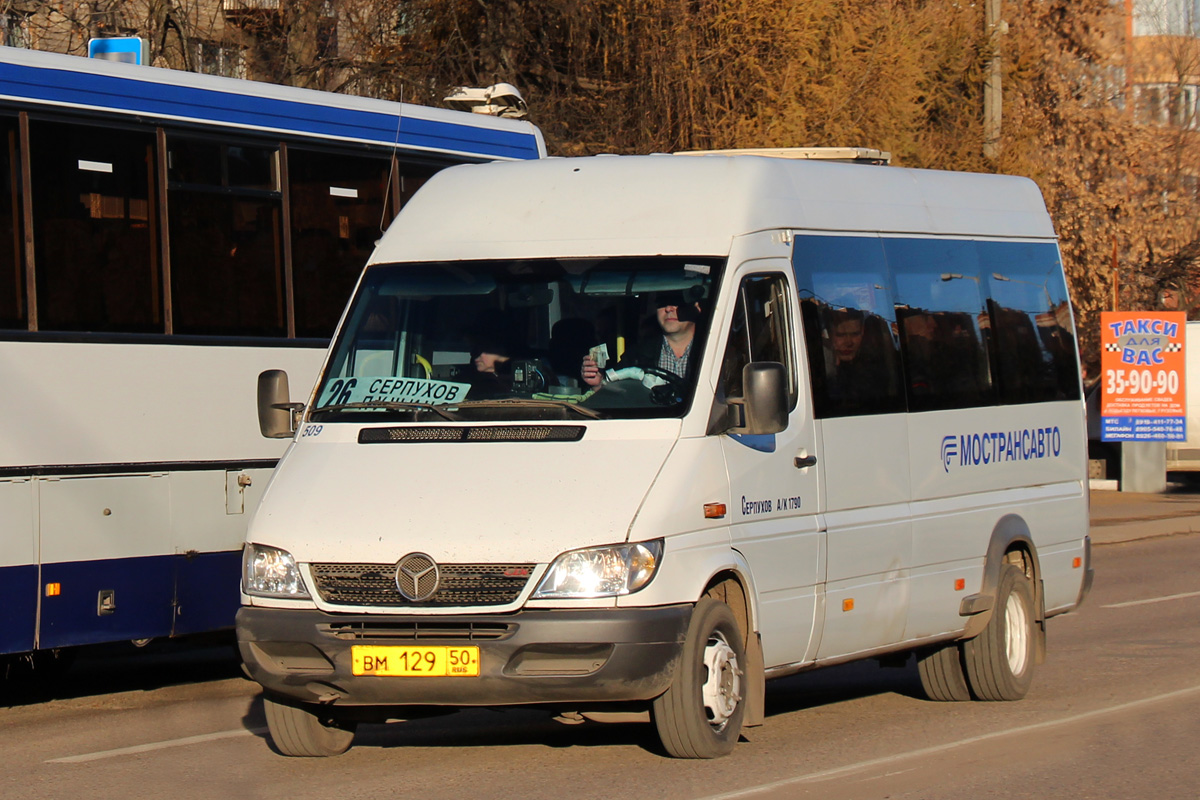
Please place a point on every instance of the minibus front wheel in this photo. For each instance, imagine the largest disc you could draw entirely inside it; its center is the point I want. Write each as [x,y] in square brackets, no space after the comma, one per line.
[297,731]
[700,715]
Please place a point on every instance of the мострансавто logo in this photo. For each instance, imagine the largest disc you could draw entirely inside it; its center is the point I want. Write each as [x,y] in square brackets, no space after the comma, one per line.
[1025,444]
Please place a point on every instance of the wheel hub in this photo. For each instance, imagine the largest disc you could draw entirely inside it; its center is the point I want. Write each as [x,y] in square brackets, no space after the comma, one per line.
[722,690]
[1016,639]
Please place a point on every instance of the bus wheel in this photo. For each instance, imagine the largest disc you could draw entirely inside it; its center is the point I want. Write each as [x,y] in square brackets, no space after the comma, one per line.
[700,714]
[299,732]
[942,674]
[1000,659]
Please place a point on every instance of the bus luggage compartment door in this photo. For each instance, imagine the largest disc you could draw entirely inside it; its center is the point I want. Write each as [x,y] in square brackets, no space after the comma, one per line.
[106,564]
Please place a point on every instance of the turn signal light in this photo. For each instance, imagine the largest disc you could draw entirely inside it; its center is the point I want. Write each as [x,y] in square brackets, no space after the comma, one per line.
[959,584]
[1076,563]
[848,604]
[714,510]
[53,589]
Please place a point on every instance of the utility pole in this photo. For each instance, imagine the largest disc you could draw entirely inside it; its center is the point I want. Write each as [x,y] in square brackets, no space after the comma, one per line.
[995,28]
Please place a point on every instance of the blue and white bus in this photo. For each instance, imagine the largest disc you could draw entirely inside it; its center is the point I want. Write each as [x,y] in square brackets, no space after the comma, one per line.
[164,237]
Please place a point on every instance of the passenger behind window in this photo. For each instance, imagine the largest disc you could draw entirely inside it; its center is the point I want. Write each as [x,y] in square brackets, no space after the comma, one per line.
[491,358]
[918,329]
[1060,348]
[945,360]
[570,340]
[671,352]
[969,376]
[1023,372]
[861,379]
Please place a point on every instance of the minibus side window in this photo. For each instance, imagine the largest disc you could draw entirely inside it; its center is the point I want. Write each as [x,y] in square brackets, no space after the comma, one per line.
[945,328]
[849,326]
[759,332]
[1031,317]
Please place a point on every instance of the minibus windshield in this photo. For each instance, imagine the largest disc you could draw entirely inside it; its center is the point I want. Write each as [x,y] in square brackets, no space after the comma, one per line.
[541,339]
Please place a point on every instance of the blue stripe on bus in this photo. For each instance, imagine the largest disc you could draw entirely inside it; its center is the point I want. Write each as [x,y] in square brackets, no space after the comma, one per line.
[143,589]
[18,599]
[155,596]
[206,591]
[208,105]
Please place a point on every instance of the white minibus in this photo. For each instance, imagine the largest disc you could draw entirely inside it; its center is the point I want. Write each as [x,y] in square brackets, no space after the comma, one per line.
[625,437]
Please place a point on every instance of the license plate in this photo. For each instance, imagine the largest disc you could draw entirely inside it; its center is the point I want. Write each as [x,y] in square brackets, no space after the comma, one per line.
[415,662]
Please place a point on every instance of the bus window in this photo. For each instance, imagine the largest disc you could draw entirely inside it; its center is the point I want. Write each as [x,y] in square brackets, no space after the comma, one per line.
[412,177]
[339,208]
[94,243]
[849,326]
[12,265]
[943,323]
[226,229]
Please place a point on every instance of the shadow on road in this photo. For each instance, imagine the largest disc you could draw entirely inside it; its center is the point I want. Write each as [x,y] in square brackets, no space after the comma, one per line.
[109,669]
[488,727]
[483,727]
[830,685]
[122,667]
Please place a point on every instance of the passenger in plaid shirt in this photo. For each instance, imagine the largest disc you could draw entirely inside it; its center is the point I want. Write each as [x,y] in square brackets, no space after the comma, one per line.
[671,352]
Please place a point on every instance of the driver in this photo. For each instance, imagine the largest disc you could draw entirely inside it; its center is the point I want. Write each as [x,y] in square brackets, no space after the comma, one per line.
[493,369]
[671,352]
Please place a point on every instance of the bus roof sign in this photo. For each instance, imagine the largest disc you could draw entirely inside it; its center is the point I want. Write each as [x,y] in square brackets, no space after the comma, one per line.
[126,49]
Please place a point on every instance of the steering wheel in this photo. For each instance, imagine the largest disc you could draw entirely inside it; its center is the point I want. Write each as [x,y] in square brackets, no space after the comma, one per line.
[667,394]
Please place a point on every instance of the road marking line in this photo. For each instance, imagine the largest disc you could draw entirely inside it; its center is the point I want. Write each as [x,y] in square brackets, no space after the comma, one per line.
[146,748]
[1152,600]
[835,772]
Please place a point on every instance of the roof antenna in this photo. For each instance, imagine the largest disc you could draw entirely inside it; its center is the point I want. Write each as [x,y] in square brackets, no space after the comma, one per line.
[393,167]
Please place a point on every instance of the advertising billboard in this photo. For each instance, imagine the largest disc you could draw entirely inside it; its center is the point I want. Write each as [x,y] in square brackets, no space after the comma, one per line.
[1142,376]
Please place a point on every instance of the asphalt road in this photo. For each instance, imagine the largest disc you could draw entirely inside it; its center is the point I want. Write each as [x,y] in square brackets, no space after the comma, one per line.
[1113,713]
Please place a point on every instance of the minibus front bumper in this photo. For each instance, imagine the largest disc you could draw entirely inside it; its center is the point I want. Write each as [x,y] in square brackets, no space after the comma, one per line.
[527,657]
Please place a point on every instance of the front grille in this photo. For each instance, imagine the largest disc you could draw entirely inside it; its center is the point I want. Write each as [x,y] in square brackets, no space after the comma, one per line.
[460,584]
[421,630]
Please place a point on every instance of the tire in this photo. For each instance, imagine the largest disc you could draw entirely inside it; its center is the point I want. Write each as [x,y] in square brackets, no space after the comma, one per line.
[298,731]
[700,715]
[942,675]
[1000,660]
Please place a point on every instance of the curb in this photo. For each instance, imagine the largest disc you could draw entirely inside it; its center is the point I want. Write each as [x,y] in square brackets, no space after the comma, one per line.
[1131,531]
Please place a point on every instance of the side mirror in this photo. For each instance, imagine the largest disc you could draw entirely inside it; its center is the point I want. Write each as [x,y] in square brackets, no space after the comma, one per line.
[764,402]
[276,412]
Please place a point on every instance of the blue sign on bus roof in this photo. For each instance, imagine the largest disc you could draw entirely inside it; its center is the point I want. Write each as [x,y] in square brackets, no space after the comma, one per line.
[126,49]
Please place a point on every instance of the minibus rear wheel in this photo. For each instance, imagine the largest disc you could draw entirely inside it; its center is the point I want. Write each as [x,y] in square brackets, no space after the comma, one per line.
[1000,660]
[297,731]
[942,675]
[700,714]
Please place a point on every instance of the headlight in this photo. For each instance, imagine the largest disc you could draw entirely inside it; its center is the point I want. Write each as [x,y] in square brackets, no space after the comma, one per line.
[601,571]
[271,572]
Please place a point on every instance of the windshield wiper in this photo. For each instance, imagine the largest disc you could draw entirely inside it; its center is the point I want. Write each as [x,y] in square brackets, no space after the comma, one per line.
[390,406]
[530,403]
